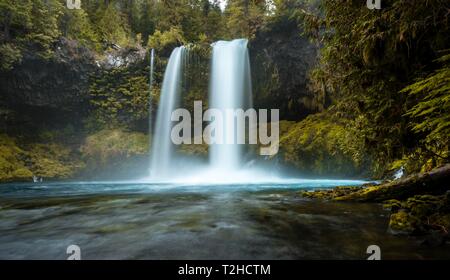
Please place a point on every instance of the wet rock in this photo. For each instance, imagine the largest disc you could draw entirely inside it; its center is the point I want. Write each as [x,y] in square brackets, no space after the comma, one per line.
[392,205]
[330,194]
[274,59]
[434,239]
[434,182]
[423,205]
[57,83]
[424,215]
[122,57]
[403,223]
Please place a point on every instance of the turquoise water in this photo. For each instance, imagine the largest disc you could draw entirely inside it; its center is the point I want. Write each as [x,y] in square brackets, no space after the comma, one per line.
[142,187]
[139,220]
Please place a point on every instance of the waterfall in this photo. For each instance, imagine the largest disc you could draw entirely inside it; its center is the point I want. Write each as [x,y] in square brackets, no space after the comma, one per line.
[230,89]
[150,98]
[162,153]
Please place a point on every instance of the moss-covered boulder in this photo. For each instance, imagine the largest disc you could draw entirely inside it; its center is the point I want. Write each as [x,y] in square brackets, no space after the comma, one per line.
[403,222]
[392,205]
[330,194]
[421,215]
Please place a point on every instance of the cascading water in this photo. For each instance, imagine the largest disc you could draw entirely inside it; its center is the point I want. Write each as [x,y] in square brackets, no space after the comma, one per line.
[150,97]
[230,89]
[162,153]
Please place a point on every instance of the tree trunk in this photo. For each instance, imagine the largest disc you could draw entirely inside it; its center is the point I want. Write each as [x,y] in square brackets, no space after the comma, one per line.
[436,181]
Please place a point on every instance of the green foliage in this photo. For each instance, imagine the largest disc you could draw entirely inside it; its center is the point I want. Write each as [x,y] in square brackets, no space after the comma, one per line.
[194,17]
[112,26]
[9,55]
[164,41]
[244,18]
[44,29]
[368,56]
[431,114]
[75,24]
[27,24]
[119,97]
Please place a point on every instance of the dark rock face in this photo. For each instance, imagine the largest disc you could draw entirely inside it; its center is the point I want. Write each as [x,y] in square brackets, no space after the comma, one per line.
[50,93]
[123,57]
[281,59]
[53,93]
[58,83]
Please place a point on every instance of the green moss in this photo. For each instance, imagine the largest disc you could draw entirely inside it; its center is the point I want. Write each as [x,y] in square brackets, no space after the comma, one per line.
[393,205]
[193,149]
[423,205]
[22,161]
[403,223]
[54,161]
[12,166]
[22,173]
[119,98]
[420,214]
[440,221]
[109,145]
[331,194]
[321,146]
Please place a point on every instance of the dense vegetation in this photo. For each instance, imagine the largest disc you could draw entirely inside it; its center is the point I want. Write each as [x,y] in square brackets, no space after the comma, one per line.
[375,96]
[387,71]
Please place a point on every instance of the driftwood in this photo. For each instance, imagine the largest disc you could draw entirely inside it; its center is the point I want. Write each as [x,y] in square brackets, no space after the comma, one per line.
[436,181]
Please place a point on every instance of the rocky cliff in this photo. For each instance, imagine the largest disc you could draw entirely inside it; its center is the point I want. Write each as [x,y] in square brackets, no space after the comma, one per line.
[281,60]
[41,91]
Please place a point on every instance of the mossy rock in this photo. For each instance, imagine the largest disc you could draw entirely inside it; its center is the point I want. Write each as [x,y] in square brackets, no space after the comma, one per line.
[331,194]
[403,223]
[423,205]
[440,221]
[317,194]
[392,205]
